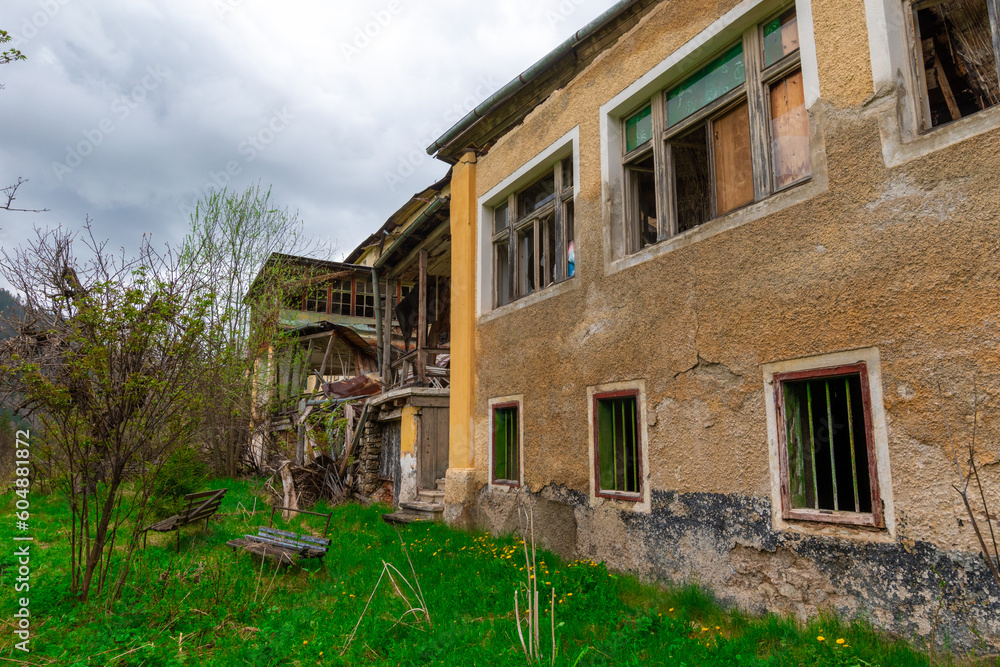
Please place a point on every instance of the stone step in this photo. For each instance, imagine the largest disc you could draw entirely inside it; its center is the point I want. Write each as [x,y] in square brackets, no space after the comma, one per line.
[431,496]
[428,508]
[404,516]
[440,484]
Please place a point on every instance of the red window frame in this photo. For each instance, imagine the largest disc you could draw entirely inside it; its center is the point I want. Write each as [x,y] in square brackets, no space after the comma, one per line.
[493,445]
[789,513]
[637,496]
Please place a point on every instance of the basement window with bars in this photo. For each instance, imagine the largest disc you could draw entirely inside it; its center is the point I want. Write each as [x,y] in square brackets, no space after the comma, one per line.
[733,132]
[827,456]
[533,236]
[617,451]
[956,58]
[506,444]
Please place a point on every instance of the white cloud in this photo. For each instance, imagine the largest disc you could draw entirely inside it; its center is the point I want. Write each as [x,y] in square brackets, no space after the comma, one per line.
[363,87]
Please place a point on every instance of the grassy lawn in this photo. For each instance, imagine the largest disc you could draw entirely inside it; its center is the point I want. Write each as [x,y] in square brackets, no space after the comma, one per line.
[209,606]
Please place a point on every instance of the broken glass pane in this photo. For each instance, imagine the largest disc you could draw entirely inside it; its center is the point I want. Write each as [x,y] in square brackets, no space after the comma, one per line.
[708,84]
[638,129]
[781,37]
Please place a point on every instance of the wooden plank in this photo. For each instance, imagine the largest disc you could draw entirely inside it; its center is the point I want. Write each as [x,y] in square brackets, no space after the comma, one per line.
[422,316]
[993,7]
[559,265]
[734,185]
[945,86]
[300,548]
[757,107]
[789,131]
[430,401]
[321,541]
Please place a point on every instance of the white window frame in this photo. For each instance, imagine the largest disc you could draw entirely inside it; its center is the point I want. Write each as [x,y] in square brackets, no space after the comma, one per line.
[870,357]
[643,501]
[566,146]
[675,68]
[895,82]
[519,400]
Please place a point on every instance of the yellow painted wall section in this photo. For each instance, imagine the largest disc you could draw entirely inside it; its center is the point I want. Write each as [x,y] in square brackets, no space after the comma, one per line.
[463,311]
[408,429]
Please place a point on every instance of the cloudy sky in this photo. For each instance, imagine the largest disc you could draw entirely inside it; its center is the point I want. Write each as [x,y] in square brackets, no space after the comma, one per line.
[130,111]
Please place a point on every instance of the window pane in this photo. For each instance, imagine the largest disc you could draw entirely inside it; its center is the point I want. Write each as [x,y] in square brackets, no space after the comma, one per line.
[364,299]
[959,64]
[733,164]
[691,180]
[618,444]
[500,218]
[711,82]
[639,129]
[642,207]
[789,131]
[505,455]
[535,195]
[526,260]
[502,263]
[316,299]
[547,254]
[567,172]
[827,445]
[341,303]
[781,37]
[570,244]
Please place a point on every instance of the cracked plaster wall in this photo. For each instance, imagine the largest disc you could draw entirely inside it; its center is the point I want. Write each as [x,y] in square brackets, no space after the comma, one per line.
[903,259]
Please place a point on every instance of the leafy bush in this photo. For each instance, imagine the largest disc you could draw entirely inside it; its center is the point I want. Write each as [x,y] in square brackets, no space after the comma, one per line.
[184,472]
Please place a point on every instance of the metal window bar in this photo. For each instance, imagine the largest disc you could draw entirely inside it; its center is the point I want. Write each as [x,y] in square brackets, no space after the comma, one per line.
[798,467]
[623,446]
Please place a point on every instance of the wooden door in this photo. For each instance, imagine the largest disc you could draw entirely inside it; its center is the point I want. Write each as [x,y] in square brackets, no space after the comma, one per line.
[433,462]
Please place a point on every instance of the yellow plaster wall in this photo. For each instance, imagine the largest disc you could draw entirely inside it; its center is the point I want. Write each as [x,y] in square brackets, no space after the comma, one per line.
[901,259]
[409,429]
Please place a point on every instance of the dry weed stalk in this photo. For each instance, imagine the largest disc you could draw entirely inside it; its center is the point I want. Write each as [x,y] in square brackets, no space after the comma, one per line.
[533,646]
[966,478]
[417,592]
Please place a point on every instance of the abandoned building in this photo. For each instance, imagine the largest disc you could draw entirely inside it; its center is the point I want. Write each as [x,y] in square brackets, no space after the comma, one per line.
[712,287]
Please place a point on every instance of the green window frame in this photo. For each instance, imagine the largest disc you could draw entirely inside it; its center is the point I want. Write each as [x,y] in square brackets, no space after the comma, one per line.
[618,466]
[827,455]
[505,442]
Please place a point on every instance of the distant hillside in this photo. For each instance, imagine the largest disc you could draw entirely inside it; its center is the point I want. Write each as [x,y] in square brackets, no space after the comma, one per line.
[8,304]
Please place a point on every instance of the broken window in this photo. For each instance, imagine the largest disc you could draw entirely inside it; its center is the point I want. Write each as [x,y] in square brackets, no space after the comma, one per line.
[617,453]
[340,300]
[827,453]
[364,299]
[316,299]
[506,454]
[733,132]
[955,51]
[535,249]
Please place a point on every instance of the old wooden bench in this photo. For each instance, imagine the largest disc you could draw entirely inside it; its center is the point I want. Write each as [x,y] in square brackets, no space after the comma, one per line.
[197,506]
[284,546]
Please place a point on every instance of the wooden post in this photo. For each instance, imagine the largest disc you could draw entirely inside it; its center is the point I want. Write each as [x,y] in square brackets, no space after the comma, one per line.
[422,317]
[326,357]
[378,317]
[387,344]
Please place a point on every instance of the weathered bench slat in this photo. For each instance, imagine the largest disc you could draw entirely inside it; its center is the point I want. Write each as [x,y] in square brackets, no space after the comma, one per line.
[299,547]
[197,506]
[295,536]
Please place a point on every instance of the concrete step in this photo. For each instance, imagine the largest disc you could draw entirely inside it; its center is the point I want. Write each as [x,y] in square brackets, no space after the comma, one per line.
[431,496]
[404,516]
[427,508]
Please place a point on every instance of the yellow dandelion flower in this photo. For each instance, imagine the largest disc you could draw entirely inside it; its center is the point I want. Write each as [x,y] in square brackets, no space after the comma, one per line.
[821,638]
[671,609]
[704,629]
[840,641]
[305,641]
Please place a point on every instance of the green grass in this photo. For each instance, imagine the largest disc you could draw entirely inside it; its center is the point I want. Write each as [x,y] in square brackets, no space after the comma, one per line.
[209,606]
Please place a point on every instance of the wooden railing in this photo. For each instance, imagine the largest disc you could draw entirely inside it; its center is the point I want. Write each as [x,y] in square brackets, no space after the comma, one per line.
[408,368]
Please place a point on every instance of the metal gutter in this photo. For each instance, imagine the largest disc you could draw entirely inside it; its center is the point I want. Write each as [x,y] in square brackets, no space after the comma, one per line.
[528,75]
[423,217]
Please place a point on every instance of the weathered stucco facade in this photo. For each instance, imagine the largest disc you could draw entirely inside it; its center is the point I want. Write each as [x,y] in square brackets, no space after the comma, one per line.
[887,253]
